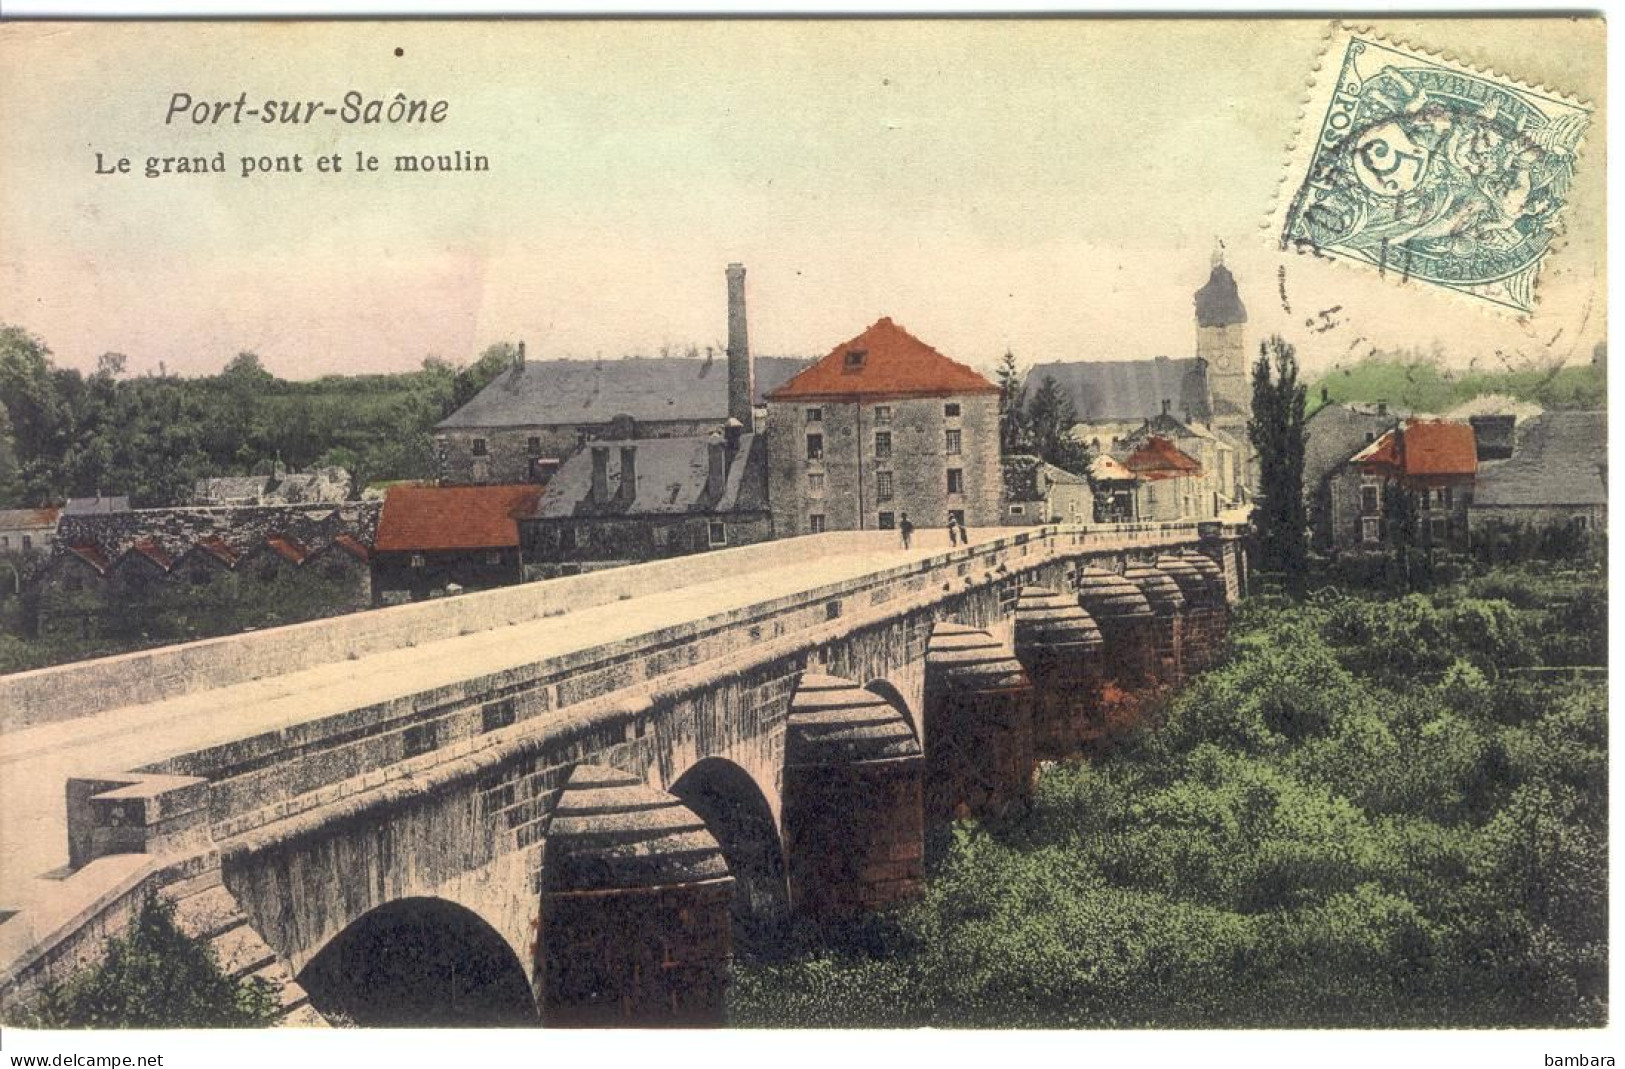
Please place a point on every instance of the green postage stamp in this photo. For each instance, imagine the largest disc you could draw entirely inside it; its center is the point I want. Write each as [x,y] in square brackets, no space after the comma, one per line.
[1431,171]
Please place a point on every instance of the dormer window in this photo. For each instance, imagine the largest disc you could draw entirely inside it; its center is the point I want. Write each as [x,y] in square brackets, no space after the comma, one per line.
[855,358]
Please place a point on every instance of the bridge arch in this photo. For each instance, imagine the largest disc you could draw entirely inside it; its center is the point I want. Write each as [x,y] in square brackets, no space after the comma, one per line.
[736,812]
[892,695]
[420,962]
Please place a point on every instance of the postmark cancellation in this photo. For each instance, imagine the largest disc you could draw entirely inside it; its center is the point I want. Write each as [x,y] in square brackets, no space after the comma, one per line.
[1430,171]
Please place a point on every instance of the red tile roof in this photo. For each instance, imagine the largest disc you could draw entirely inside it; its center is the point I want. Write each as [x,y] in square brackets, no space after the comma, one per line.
[151,550]
[24,519]
[1160,458]
[1423,448]
[884,361]
[288,548]
[91,554]
[219,549]
[353,546]
[453,517]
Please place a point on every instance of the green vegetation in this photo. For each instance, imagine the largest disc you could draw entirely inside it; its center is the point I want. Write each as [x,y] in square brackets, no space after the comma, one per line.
[155,976]
[1373,815]
[1422,384]
[1276,432]
[65,434]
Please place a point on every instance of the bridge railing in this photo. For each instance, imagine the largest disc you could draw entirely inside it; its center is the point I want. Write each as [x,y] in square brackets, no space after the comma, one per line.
[69,691]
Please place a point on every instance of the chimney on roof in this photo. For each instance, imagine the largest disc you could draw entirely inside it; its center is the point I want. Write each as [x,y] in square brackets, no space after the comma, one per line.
[627,492]
[716,476]
[600,475]
[1166,404]
[741,374]
[519,357]
[1325,395]
[732,432]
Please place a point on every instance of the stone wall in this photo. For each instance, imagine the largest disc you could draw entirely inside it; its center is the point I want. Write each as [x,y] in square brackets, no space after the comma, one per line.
[855,470]
[244,528]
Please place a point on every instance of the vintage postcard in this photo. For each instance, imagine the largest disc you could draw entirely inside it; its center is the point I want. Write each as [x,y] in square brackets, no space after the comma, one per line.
[848,524]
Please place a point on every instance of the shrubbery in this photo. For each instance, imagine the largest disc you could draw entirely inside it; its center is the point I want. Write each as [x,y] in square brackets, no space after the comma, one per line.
[1363,819]
[155,976]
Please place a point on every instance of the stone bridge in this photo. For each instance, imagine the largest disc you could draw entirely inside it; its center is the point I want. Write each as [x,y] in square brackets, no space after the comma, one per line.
[568,801]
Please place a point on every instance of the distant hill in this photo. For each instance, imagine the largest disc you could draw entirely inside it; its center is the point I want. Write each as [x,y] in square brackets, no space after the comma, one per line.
[1420,386]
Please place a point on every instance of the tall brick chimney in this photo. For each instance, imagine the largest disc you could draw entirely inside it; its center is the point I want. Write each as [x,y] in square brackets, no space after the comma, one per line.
[741,373]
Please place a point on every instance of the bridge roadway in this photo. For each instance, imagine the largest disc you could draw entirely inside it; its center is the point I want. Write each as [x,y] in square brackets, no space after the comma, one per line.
[36,762]
[37,759]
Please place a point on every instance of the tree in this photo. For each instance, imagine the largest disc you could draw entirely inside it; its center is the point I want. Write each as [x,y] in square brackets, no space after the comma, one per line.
[111,365]
[1049,418]
[156,976]
[1012,397]
[496,359]
[1276,430]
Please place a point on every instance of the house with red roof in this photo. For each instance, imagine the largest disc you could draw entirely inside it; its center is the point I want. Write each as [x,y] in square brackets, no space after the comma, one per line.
[431,538]
[883,427]
[1171,484]
[1414,483]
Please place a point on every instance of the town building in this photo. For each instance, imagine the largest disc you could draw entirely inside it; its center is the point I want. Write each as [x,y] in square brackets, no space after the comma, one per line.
[883,427]
[1214,452]
[187,570]
[1221,344]
[100,505]
[1038,492]
[529,419]
[1106,394]
[1170,484]
[1556,477]
[1420,474]
[1210,392]
[1333,433]
[435,540]
[1116,490]
[617,503]
[27,531]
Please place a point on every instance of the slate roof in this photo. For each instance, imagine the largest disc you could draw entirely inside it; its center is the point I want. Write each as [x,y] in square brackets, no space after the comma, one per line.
[419,518]
[1561,460]
[27,519]
[672,474]
[1128,391]
[573,392]
[1217,303]
[96,506]
[1430,448]
[1159,458]
[884,361]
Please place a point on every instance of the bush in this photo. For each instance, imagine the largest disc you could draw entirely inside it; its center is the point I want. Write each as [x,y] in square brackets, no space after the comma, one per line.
[1361,820]
[156,976]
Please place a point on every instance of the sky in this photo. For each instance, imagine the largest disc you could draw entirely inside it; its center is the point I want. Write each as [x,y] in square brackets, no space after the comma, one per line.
[1054,187]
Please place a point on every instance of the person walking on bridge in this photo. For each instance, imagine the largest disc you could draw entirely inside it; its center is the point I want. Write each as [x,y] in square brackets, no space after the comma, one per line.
[906,529]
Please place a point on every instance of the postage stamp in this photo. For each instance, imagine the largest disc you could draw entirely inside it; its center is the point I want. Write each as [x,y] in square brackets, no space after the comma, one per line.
[1431,171]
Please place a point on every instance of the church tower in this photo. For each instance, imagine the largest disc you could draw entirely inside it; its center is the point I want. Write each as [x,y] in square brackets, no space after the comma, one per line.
[1221,327]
